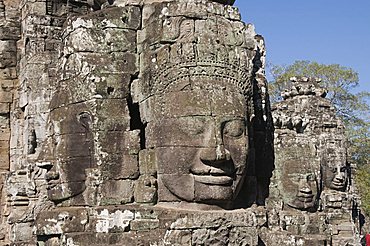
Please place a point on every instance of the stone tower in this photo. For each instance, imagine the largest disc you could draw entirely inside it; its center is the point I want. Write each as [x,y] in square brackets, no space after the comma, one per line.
[148,122]
[312,193]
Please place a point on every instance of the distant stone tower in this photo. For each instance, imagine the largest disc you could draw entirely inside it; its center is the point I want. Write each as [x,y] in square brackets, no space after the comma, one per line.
[312,191]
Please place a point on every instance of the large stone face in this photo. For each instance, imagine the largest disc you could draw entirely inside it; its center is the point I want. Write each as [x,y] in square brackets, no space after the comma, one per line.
[213,144]
[134,122]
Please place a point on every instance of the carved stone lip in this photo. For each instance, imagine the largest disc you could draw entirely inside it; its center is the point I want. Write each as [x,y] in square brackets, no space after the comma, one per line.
[335,199]
[213,180]
[305,198]
[51,185]
[202,170]
[337,185]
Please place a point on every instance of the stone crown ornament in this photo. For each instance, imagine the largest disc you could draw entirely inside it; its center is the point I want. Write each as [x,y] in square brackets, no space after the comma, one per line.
[234,71]
[304,86]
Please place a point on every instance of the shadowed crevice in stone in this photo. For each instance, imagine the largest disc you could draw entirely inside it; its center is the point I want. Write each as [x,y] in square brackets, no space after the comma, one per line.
[135,120]
[42,239]
[32,142]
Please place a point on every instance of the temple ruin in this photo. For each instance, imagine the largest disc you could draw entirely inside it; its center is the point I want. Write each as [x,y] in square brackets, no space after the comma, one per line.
[148,122]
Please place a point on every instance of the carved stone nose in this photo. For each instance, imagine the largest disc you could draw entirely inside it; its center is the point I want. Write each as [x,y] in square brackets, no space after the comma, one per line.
[304,187]
[339,177]
[52,175]
[222,153]
[306,190]
[218,153]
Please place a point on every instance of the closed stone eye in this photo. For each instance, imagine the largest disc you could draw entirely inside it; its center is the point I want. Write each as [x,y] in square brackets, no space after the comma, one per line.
[235,128]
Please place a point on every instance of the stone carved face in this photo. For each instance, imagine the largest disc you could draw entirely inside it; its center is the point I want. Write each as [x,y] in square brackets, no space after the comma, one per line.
[60,187]
[336,176]
[299,185]
[71,144]
[201,141]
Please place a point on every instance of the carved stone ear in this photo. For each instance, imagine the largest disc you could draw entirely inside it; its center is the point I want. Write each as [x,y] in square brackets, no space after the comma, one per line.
[85,119]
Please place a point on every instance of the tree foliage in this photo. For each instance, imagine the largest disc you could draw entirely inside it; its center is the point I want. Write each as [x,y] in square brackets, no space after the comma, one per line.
[340,82]
[363,182]
[352,107]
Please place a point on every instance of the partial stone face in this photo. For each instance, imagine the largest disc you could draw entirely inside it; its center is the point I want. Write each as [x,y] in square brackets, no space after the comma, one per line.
[69,152]
[300,185]
[201,149]
[335,166]
[336,176]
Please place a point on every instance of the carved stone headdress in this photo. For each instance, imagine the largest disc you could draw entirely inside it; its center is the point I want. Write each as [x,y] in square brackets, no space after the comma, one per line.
[183,49]
[194,62]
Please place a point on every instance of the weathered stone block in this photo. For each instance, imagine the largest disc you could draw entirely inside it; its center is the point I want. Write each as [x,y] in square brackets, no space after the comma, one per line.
[4,144]
[114,86]
[4,108]
[22,232]
[146,189]
[206,37]
[106,40]
[150,13]
[110,220]
[109,193]
[111,143]
[164,195]
[113,115]
[8,84]
[75,168]
[72,119]
[4,158]
[62,221]
[118,62]
[126,17]
[178,238]
[47,32]
[218,236]
[124,142]
[10,31]
[34,8]
[100,239]
[4,134]
[167,162]
[120,166]
[147,162]
[8,73]
[7,59]
[144,224]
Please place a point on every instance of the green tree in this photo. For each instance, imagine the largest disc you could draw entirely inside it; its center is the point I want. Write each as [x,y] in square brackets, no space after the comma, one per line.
[363,182]
[352,107]
[340,82]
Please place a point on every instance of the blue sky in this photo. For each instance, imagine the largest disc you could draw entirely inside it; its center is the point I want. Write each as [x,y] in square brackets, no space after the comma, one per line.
[326,31]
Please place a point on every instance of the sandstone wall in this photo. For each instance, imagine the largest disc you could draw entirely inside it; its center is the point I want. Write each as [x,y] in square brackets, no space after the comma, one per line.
[149,123]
